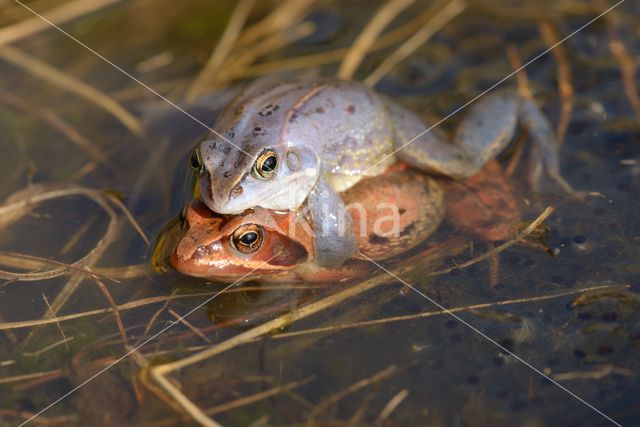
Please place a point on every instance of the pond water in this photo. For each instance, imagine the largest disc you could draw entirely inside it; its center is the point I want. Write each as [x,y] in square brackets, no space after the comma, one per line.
[371,351]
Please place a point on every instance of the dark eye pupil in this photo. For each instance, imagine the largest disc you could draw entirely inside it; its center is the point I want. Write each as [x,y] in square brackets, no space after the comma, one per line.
[249,238]
[195,160]
[269,164]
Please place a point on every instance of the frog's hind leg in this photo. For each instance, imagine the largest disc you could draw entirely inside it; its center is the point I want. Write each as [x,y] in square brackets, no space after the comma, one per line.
[483,133]
[543,154]
[334,240]
[425,147]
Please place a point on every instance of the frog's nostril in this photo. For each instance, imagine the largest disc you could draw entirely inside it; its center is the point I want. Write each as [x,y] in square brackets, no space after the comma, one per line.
[237,190]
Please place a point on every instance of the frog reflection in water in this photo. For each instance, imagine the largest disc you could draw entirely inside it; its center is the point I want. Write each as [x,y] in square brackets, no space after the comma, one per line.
[279,245]
[309,140]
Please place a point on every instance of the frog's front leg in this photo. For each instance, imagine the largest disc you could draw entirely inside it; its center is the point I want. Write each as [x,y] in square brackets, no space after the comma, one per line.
[334,240]
[483,133]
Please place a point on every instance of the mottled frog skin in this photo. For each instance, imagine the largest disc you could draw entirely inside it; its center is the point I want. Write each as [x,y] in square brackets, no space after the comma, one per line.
[309,140]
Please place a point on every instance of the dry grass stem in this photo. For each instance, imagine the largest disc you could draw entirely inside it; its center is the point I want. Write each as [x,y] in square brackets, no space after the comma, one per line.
[467,308]
[239,62]
[6,326]
[114,310]
[247,400]
[158,372]
[563,76]
[368,36]
[593,375]
[44,421]
[222,49]
[192,409]
[390,407]
[287,14]
[36,276]
[443,13]
[78,235]
[154,318]
[316,59]
[19,202]
[47,348]
[520,237]
[53,314]
[521,76]
[127,213]
[57,123]
[628,66]
[27,377]
[338,396]
[190,326]
[58,15]
[67,82]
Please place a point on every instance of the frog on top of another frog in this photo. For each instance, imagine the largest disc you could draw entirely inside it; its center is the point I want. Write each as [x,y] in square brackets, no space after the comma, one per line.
[281,144]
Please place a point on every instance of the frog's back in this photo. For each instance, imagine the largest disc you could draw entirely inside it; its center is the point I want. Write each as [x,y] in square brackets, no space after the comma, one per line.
[344,123]
[348,126]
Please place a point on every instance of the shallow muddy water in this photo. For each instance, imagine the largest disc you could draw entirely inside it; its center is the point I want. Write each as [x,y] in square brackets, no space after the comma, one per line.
[81,288]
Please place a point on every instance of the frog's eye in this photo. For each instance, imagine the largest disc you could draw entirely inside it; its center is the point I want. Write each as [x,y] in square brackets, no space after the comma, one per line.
[196,162]
[247,238]
[265,164]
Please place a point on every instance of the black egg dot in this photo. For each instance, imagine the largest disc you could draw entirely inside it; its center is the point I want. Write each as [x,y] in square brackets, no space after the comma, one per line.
[580,239]
[507,343]
[455,272]
[609,316]
[502,394]
[538,400]
[604,350]
[580,354]
[518,405]
[513,259]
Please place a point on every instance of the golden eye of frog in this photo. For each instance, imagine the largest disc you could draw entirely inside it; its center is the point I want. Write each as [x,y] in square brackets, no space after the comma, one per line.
[284,143]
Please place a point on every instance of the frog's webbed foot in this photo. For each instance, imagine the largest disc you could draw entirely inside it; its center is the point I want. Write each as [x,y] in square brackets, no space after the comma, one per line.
[334,240]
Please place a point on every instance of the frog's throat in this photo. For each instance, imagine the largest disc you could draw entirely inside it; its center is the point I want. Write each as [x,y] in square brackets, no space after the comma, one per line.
[286,188]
